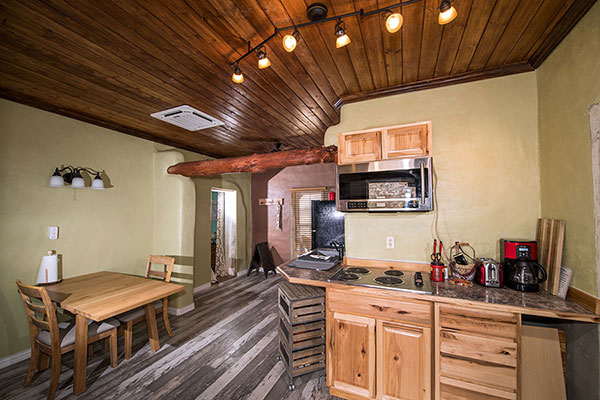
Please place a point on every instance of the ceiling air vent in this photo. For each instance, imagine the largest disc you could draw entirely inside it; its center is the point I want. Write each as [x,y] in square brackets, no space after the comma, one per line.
[188,118]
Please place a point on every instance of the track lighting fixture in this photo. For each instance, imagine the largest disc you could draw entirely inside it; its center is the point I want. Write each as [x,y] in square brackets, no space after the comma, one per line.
[447,12]
[317,14]
[263,60]
[237,76]
[290,41]
[342,37]
[393,21]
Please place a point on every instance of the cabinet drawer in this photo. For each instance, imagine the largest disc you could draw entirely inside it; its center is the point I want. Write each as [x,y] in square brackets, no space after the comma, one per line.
[454,389]
[478,321]
[483,348]
[407,311]
[497,376]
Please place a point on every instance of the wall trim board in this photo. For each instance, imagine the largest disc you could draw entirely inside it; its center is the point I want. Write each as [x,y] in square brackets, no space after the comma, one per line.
[594,114]
[584,299]
[14,358]
[182,310]
[405,265]
[201,288]
[242,272]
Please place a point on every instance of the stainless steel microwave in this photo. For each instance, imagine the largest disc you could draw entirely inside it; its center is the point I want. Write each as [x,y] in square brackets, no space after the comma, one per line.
[402,184]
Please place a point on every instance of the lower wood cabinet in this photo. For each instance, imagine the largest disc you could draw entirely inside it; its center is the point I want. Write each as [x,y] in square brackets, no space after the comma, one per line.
[403,361]
[351,354]
[376,358]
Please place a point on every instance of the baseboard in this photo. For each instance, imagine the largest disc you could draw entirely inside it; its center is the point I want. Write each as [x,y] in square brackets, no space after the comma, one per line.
[200,288]
[182,310]
[584,299]
[14,358]
[242,272]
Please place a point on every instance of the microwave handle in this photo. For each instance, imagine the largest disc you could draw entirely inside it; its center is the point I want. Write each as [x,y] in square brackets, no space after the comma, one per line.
[422,183]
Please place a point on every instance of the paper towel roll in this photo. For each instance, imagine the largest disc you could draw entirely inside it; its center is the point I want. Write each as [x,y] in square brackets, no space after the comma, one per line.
[48,272]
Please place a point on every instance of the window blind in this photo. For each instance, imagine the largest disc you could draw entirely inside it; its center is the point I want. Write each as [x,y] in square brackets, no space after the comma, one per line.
[302,222]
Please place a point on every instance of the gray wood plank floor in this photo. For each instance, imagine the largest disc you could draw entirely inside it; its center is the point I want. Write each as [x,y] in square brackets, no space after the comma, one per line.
[225,349]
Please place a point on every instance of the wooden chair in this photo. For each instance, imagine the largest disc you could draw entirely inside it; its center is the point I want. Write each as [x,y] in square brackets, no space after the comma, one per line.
[52,339]
[131,318]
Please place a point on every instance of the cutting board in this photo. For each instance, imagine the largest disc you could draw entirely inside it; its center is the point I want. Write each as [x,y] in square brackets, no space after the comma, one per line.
[541,367]
[550,238]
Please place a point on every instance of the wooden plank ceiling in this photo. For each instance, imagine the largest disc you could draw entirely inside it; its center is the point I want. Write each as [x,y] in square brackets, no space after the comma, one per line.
[113,63]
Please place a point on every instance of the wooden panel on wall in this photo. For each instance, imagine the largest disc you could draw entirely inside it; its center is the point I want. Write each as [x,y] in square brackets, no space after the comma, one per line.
[359,147]
[406,141]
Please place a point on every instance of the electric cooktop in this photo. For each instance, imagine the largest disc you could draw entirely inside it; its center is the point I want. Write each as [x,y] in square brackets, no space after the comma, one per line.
[384,278]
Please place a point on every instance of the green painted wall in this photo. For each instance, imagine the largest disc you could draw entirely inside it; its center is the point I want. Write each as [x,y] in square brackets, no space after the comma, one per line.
[485,153]
[568,83]
[93,224]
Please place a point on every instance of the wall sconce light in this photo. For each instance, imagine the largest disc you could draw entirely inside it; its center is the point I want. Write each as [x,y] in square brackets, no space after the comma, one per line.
[73,177]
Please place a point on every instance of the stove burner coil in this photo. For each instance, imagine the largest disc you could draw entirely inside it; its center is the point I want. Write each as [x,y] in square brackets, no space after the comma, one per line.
[357,270]
[348,277]
[389,281]
[393,272]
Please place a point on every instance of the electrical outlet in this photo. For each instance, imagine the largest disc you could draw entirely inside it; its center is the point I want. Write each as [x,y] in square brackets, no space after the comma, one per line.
[53,232]
[389,242]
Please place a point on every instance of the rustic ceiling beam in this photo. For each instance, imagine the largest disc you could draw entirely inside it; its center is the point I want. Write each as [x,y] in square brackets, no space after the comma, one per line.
[256,162]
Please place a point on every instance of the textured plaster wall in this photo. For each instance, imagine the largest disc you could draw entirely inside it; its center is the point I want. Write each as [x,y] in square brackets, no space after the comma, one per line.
[99,230]
[568,84]
[174,222]
[241,184]
[485,154]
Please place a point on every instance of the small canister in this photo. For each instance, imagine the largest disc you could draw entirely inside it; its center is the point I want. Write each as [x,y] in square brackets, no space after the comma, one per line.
[437,272]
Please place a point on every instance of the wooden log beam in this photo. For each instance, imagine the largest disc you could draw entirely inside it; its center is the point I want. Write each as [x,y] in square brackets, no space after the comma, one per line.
[256,162]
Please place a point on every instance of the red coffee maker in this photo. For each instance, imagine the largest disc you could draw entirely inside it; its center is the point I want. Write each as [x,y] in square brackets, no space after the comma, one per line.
[519,258]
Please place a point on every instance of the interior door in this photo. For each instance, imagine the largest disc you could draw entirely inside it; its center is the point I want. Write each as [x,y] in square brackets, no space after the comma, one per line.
[403,361]
[351,354]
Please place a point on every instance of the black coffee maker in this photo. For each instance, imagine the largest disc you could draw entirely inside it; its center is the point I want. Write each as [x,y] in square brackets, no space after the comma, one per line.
[523,273]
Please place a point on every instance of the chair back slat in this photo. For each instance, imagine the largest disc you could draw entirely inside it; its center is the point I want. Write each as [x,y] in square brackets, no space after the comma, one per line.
[43,325]
[165,261]
[47,312]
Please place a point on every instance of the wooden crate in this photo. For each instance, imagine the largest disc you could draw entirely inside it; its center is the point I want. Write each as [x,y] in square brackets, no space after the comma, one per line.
[301,329]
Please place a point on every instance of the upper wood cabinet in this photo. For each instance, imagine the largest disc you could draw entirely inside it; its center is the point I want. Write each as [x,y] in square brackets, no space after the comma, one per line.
[403,362]
[396,141]
[359,147]
[351,354]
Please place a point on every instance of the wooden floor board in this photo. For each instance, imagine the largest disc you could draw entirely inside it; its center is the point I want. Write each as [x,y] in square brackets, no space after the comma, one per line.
[225,348]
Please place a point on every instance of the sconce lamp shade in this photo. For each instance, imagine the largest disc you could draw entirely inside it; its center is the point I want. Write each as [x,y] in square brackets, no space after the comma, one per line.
[56,180]
[98,183]
[78,183]
[48,272]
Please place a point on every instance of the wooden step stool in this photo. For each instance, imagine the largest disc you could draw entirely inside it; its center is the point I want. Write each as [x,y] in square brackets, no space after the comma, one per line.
[301,329]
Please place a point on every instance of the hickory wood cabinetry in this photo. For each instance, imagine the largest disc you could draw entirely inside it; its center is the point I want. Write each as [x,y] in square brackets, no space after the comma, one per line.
[378,348]
[385,143]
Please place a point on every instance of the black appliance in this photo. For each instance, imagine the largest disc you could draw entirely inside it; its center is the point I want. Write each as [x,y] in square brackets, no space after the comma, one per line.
[327,225]
[523,272]
[391,185]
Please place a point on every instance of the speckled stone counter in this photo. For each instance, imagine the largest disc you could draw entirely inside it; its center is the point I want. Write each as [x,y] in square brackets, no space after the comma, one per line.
[542,303]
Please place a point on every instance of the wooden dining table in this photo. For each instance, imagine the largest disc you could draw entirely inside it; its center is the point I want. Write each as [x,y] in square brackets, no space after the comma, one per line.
[102,295]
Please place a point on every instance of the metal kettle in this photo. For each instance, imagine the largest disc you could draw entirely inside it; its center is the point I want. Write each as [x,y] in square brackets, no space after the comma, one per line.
[525,276]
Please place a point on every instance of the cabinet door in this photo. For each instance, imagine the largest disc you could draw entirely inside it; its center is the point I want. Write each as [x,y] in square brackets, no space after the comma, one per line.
[359,147]
[403,361]
[351,354]
[406,141]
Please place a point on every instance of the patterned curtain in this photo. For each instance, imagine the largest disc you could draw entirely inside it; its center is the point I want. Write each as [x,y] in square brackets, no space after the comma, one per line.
[220,267]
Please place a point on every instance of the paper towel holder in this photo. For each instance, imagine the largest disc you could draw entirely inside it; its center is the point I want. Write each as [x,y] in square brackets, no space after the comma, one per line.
[48,274]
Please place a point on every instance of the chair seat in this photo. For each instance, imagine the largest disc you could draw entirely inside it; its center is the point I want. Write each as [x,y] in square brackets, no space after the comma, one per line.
[67,331]
[136,313]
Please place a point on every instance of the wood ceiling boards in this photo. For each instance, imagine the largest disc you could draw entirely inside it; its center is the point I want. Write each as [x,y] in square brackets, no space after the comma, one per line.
[113,63]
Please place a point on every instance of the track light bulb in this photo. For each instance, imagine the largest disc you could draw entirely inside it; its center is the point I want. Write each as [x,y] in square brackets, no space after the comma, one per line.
[342,38]
[290,41]
[237,76]
[393,22]
[263,60]
[447,12]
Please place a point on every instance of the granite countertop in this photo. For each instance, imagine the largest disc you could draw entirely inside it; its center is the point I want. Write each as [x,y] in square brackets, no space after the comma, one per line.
[541,303]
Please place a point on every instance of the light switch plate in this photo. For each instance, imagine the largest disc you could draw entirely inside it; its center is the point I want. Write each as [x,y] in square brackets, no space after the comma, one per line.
[389,242]
[53,232]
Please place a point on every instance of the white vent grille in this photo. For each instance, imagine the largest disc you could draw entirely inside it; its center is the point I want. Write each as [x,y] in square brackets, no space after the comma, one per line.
[188,118]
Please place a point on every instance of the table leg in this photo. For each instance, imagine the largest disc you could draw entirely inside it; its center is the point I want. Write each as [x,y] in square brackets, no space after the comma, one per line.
[81,338]
[152,328]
